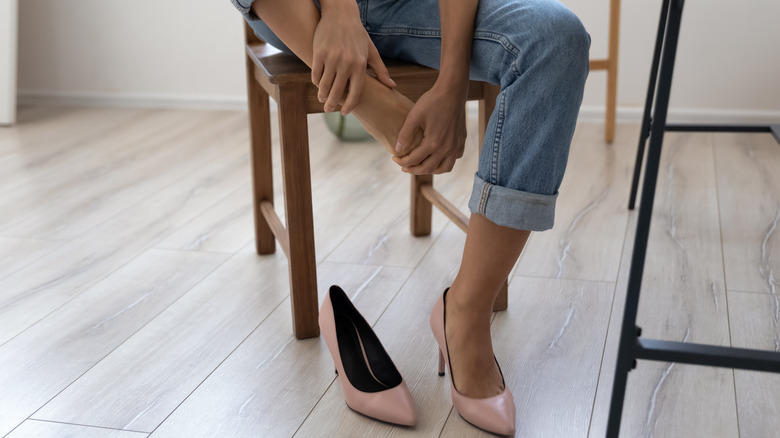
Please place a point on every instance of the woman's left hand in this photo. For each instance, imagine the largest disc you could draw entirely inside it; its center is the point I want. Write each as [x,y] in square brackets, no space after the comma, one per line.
[440,114]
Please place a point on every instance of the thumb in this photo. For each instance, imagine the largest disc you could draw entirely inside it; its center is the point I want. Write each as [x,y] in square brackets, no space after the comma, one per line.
[408,135]
[375,61]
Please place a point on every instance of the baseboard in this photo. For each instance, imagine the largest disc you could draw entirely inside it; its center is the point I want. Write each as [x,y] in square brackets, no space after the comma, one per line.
[588,114]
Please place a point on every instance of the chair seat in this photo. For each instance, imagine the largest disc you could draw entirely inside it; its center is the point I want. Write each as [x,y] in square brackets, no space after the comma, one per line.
[281,67]
[274,69]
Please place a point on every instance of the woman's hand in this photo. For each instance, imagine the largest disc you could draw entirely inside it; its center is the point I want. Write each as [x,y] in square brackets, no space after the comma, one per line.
[440,115]
[342,49]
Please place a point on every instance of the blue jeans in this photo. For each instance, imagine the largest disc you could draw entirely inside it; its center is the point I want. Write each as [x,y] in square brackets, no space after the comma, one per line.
[537,51]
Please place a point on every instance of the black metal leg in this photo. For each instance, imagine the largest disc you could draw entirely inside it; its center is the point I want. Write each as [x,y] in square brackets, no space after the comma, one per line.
[646,119]
[628,335]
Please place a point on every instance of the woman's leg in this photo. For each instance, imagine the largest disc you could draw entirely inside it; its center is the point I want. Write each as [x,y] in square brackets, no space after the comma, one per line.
[382,110]
[488,257]
[537,50]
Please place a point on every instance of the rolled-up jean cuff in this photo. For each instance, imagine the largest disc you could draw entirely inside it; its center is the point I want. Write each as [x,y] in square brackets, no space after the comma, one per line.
[512,208]
[245,7]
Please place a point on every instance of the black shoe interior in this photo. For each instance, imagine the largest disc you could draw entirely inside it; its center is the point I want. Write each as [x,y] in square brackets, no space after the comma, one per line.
[366,363]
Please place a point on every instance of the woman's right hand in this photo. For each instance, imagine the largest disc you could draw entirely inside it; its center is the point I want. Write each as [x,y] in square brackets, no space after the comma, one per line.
[342,50]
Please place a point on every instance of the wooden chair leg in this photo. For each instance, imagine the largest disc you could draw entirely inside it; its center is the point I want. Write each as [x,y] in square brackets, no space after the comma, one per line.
[294,137]
[612,70]
[262,163]
[501,302]
[421,210]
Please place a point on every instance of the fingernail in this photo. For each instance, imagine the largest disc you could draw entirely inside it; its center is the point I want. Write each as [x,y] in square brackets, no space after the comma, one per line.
[321,99]
[398,147]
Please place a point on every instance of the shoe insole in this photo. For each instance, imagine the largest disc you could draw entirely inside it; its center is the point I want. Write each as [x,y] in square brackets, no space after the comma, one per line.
[366,364]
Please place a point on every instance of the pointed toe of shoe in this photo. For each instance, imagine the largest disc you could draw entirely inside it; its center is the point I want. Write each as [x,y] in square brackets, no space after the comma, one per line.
[394,405]
[399,406]
[494,414]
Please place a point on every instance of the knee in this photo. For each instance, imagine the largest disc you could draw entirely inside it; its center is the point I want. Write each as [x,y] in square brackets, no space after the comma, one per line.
[560,39]
[266,34]
[569,42]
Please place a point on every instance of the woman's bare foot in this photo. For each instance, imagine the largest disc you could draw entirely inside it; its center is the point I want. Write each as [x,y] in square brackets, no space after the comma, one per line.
[382,110]
[476,373]
[384,120]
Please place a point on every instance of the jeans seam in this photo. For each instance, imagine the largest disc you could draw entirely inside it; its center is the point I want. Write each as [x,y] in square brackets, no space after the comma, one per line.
[483,198]
[404,31]
[495,37]
[497,138]
[498,38]
[503,40]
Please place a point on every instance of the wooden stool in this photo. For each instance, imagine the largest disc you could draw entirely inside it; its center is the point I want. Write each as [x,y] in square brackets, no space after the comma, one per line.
[610,64]
[287,80]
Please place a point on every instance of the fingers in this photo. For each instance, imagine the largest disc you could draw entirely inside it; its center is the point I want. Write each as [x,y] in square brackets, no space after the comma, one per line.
[408,134]
[333,85]
[415,157]
[336,91]
[375,61]
[332,72]
[356,83]
[317,68]
[446,165]
[426,166]
[431,165]
[328,76]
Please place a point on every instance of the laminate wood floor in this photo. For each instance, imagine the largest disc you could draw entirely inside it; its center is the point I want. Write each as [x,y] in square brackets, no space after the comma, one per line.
[132,303]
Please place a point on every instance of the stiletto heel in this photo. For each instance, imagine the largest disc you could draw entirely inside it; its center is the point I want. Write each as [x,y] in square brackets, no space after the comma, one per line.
[494,414]
[372,384]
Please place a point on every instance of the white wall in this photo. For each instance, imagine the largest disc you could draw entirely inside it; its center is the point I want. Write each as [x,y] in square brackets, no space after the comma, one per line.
[146,51]
[179,52]
[728,59]
[8,38]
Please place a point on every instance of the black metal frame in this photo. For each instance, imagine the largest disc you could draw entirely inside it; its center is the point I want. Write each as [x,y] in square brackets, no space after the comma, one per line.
[631,347]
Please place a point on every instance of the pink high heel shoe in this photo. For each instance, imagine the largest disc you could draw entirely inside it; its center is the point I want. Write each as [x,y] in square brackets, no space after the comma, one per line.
[494,414]
[372,384]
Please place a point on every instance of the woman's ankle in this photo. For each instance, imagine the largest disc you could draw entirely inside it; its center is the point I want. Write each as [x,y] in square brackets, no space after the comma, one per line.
[478,298]
[466,302]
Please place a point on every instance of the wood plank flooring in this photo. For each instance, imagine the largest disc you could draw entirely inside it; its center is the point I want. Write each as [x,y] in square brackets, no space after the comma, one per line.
[132,303]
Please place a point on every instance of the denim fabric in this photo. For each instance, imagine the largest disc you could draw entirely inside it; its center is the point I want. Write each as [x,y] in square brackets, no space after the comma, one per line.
[244,6]
[537,51]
